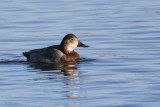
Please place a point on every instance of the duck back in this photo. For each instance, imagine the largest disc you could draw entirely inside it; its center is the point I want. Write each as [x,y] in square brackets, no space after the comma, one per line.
[50,54]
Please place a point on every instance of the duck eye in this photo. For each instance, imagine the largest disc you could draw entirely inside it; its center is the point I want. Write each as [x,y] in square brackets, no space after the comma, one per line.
[72,39]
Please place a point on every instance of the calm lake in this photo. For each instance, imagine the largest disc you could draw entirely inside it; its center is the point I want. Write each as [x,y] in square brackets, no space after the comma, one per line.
[121,68]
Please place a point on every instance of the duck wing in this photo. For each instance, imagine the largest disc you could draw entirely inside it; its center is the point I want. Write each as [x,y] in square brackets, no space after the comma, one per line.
[50,54]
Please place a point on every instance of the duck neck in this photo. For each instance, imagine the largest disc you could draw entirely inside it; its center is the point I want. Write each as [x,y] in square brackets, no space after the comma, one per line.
[65,50]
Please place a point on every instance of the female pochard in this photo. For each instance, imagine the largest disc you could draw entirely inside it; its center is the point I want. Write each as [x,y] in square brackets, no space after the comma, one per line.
[57,53]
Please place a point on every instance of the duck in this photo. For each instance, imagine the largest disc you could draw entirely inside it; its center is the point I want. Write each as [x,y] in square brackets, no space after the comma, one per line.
[57,53]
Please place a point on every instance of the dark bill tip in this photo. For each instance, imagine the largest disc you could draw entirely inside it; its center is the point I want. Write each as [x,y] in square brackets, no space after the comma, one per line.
[80,44]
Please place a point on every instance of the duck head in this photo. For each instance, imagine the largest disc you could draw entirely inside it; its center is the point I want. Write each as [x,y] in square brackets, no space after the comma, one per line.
[70,42]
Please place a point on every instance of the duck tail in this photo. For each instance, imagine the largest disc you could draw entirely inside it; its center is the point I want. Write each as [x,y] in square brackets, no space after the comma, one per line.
[26,54]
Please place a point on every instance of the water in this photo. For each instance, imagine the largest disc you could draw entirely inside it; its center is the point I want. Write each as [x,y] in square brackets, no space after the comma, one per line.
[121,66]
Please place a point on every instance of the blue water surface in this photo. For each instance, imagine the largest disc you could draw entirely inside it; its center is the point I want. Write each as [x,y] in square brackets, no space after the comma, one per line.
[121,68]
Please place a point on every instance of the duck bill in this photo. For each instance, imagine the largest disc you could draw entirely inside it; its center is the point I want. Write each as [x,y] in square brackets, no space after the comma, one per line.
[80,44]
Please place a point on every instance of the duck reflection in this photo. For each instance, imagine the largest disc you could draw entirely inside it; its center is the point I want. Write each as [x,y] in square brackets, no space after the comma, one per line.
[67,69]
[70,72]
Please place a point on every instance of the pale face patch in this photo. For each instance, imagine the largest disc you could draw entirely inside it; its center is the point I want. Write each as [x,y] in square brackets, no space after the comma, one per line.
[72,46]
